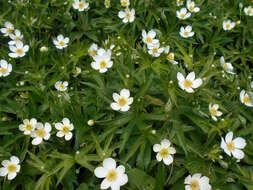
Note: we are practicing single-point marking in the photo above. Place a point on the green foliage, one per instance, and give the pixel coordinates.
(160, 108)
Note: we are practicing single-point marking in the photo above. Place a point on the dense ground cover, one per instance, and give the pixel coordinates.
(161, 88)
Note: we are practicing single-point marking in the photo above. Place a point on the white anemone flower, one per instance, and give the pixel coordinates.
(80, 5)
(149, 38)
(180, 3)
(93, 50)
(61, 86)
(61, 42)
(15, 37)
(182, 14)
(10, 168)
(228, 25)
(189, 83)
(64, 129)
(233, 147)
(8, 29)
(248, 11)
(226, 66)
(170, 55)
(41, 132)
(28, 126)
(124, 3)
(246, 99)
(164, 152)
(192, 7)
(18, 50)
(5, 68)
(114, 176)
(186, 32)
(214, 112)
(122, 100)
(155, 50)
(127, 15)
(197, 182)
(102, 60)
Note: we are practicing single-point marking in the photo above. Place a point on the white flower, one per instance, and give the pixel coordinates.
(15, 37)
(248, 11)
(155, 50)
(192, 7)
(180, 2)
(10, 168)
(246, 98)
(8, 29)
(18, 50)
(127, 15)
(186, 32)
(114, 176)
(233, 147)
(149, 38)
(213, 109)
(124, 3)
(228, 25)
(122, 100)
(183, 14)
(170, 55)
(80, 5)
(60, 42)
(226, 66)
(196, 182)
(64, 129)
(41, 132)
(93, 50)
(28, 126)
(102, 61)
(164, 152)
(189, 83)
(5, 68)
(61, 85)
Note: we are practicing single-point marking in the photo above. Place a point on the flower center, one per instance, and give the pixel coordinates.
(124, 3)
(191, 7)
(81, 5)
(19, 51)
(231, 146)
(227, 25)
(61, 43)
(246, 99)
(187, 83)
(182, 15)
(11, 168)
(148, 39)
(164, 152)
(111, 175)
(16, 39)
(186, 33)
(102, 64)
(128, 15)
(155, 50)
(194, 184)
(28, 127)
(65, 129)
(40, 133)
(92, 53)
(170, 56)
(122, 101)
(3, 70)
(213, 111)
(9, 30)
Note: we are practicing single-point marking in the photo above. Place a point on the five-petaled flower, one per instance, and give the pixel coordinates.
(61, 42)
(28, 126)
(189, 83)
(18, 50)
(102, 60)
(127, 15)
(228, 25)
(5, 68)
(41, 132)
(214, 112)
(61, 86)
(122, 100)
(197, 182)
(186, 32)
(8, 29)
(246, 98)
(64, 129)
(80, 5)
(10, 168)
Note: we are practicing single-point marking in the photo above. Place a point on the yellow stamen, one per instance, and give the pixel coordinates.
(9, 30)
(40, 133)
(186, 33)
(124, 3)
(231, 146)
(164, 152)
(148, 39)
(213, 111)
(92, 53)
(11, 168)
(228, 26)
(246, 99)
(62, 86)
(28, 127)
(19, 51)
(81, 5)
(187, 83)
(61, 43)
(170, 56)
(122, 101)
(103, 64)
(155, 50)
(194, 184)
(3, 70)
(182, 15)
(128, 15)
(65, 129)
(111, 175)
